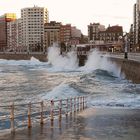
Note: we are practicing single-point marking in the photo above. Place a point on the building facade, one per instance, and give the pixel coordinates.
(75, 36)
(55, 32)
(75, 33)
(14, 36)
(131, 38)
(4, 20)
(93, 31)
(51, 33)
(136, 25)
(33, 20)
(65, 33)
(99, 34)
(111, 34)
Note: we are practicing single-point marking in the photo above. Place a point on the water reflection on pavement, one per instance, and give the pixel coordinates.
(91, 124)
(105, 124)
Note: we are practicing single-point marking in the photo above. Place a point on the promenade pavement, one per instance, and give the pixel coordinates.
(91, 124)
(131, 56)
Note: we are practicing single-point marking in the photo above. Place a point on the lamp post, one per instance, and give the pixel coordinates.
(66, 44)
(126, 47)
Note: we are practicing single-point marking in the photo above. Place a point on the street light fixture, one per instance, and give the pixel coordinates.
(126, 41)
(126, 47)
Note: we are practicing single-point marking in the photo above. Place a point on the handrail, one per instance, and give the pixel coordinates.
(40, 110)
(39, 102)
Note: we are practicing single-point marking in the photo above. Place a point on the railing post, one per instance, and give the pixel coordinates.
(29, 116)
(83, 103)
(52, 110)
(74, 104)
(67, 108)
(41, 113)
(70, 105)
(12, 118)
(78, 103)
(60, 110)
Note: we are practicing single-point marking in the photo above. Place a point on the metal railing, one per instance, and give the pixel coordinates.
(17, 116)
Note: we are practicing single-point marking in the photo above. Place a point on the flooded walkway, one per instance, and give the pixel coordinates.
(91, 124)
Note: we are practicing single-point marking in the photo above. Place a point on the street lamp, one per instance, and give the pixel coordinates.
(125, 44)
(126, 47)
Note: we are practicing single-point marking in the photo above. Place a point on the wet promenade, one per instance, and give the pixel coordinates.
(131, 56)
(91, 124)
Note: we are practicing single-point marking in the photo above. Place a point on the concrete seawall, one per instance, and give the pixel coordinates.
(130, 68)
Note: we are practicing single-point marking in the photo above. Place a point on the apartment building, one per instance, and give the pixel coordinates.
(111, 34)
(33, 20)
(93, 30)
(55, 32)
(4, 20)
(65, 33)
(51, 33)
(131, 38)
(14, 36)
(136, 23)
(75, 33)
(98, 34)
(75, 36)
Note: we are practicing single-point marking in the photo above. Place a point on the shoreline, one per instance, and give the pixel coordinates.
(127, 67)
(24, 56)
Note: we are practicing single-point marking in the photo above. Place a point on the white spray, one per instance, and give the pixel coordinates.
(98, 61)
(67, 62)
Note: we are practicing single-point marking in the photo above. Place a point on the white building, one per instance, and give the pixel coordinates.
(14, 36)
(33, 20)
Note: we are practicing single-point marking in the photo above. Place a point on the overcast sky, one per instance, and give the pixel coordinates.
(79, 13)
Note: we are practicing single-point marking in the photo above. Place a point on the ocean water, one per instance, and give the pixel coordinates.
(31, 81)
